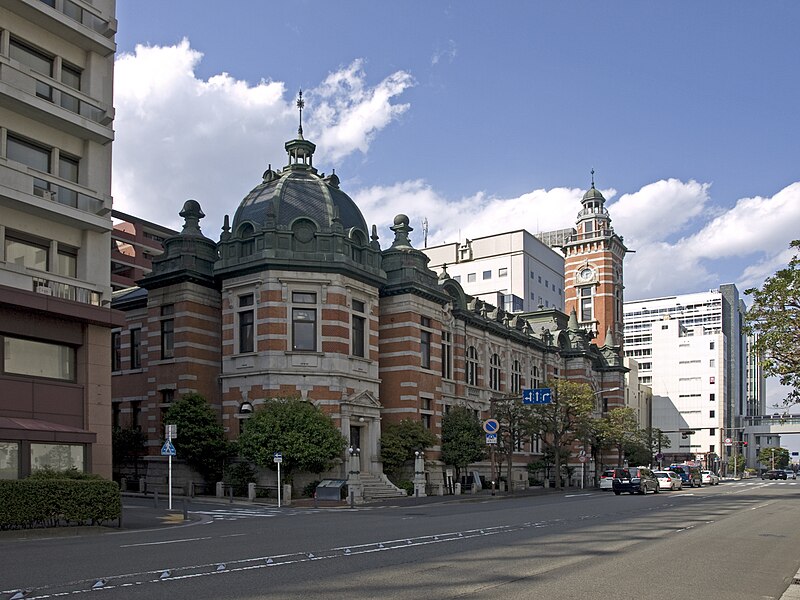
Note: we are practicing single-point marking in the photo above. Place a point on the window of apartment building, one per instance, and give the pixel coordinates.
(712, 414)
(540, 279)
(59, 457)
(28, 153)
(516, 377)
(246, 320)
(38, 359)
(167, 331)
(712, 448)
(426, 412)
(26, 252)
(136, 414)
(457, 278)
(470, 277)
(487, 274)
(358, 329)
(67, 262)
(712, 431)
(116, 350)
(587, 309)
(494, 373)
(711, 363)
(712, 397)
(9, 460)
(535, 381)
(472, 366)
(711, 345)
(34, 59)
(71, 76)
(136, 348)
(503, 272)
(167, 396)
(304, 322)
(425, 343)
(447, 355)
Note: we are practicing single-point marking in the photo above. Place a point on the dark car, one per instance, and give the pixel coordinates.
(634, 480)
(773, 474)
(690, 475)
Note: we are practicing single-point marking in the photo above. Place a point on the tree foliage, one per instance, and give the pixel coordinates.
(620, 429)
(201, 439)
(400, 440)
(127, 445)
(463, 442)
(307, 438)
(514, 419)
(775, 319)
(780, 455)
(562, 421)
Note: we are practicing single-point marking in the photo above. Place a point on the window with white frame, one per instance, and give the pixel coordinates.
(472, 366)
(358, 329)
(246, 323)
(304, 321)
(494, 373)
(447, 355)
(586, 303)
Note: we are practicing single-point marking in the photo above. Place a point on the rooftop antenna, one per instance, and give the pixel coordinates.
(425, 231)
(300, 105)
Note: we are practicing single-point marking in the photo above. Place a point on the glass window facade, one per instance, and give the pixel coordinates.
(304, 322)
(58, 457)
(38, 359)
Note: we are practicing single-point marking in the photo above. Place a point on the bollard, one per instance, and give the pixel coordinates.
(352, 499)
(230, 495)
(185, 510)
(155, 499)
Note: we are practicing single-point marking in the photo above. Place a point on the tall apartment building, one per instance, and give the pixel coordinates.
(56, 115)
(134, 244)
(692, 351)
(514, 270)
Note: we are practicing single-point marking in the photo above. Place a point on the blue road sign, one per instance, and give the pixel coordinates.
(491, 425)
(536, 396)
(491, 438)
(168, 449)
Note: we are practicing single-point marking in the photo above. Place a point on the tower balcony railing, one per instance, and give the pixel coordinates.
(597, 234)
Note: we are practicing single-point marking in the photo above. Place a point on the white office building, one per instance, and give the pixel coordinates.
(692, 351)
(514, 271)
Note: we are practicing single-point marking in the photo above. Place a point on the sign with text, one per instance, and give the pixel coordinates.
(491, 438)
(537, 396)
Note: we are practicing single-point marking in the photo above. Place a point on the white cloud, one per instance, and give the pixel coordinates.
(180, 137)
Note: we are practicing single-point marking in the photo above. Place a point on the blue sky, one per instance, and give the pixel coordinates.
(481, 117)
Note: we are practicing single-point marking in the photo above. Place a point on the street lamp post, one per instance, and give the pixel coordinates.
(354, 485)
(419, 473)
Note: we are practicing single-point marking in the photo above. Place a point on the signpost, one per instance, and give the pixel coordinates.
(278, 459)
(169, 450)
(491, 427)
(537, 396)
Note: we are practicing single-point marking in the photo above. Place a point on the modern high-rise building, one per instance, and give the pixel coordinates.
(56, 115)
(692, 351)
(514, 271)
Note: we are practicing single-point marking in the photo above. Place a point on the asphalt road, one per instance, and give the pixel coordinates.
(734, 541)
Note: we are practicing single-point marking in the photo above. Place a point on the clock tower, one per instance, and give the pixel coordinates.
(593, 271)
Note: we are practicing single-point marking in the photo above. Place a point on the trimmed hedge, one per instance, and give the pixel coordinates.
(29, 503)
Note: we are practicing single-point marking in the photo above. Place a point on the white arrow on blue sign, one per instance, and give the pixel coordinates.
(168, 449)
(537, 396)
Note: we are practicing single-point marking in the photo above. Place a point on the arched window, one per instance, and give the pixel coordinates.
(472, 366)
(516, 377)
(494, 373)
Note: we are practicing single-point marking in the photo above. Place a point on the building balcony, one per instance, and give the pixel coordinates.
(53, 198)
(592, 235)
(47, 101)
(50, 284)
(71, 20)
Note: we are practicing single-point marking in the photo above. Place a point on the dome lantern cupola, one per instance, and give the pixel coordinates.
(300, 150)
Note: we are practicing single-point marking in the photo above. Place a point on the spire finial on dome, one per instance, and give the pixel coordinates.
(300, 105)
(592, 177)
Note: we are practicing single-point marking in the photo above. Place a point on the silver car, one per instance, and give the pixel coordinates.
(668, 480)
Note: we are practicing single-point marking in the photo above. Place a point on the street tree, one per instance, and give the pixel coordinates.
(621, 429)
(463, 442)
(400, 440)
(514, 418)
(306, 437)
(201, 439)
(774, 457)
(564, 420)
(774, 318)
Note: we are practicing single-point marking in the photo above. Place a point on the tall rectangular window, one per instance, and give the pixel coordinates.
(31, 58)
(358, 329)
(27, 253)
(304, 322)
(136, 348)
(167, 331)
(246, 319)
(472, 366)
(587, 313)
(116, 351)
(25, 152)
(425, 343)
(447, 355)
(67, 263)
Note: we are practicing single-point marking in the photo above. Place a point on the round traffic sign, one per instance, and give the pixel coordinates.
(583, 458)
(491, 425)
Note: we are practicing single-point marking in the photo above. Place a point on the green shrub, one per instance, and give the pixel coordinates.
(310, 488)
(71, 473)
(408, 486)
(47, 501)
(238, 475)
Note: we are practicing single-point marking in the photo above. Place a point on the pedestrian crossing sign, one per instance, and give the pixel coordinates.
(168, 449)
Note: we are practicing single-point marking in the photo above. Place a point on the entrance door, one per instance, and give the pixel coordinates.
(355, 442)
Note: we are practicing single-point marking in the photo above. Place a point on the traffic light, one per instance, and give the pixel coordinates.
(744, 444)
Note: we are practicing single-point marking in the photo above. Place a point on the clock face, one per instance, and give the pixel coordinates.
(585, 274)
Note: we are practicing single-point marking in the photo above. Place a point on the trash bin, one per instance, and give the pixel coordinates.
(331, 489)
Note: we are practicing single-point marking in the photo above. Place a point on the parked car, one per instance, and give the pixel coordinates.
(607, 479)
(709, 477)
(774, 474)
(668, 480)
(634, 480)
(689, 474)
(790, 474)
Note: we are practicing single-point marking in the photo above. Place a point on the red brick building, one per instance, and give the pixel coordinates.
(297, 298)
